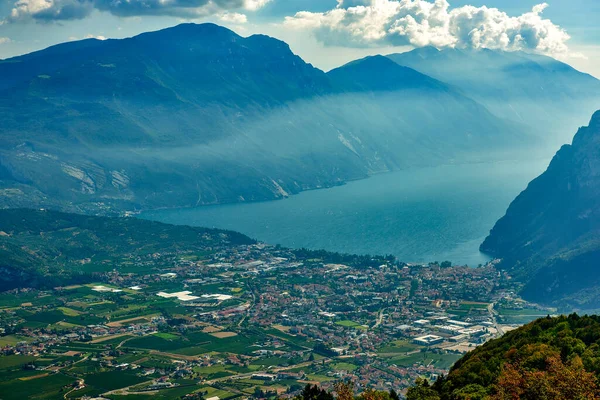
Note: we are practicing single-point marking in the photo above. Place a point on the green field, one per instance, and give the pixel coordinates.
(443, 361)
(399, 346)
(165, 394)
(468, 305)
(343, 366)
(49, 387)
(167, 336)
(7, 362)
(111, 380)
(12, 340)
(520, 317)
(350, 324)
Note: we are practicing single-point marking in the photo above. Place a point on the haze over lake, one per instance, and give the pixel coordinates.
(426, 214)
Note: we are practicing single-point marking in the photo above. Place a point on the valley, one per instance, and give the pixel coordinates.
(232, 319)
(198, 115)
(193, 211)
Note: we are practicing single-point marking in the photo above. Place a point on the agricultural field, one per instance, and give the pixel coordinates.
(127, 309)
(351, 324)
(520, 316)
(398, 347)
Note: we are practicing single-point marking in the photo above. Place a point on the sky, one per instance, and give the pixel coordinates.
(326, 33)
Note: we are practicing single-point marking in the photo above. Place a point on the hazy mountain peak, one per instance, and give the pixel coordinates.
(548, 95)
(379, 73)
(425, 52)
(376, 60)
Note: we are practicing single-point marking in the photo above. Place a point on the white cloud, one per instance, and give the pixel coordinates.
(62, 10)
(4, 40)
(99, 37)
(366, 23)
(253, 5)
(233, 18)
(88, 36)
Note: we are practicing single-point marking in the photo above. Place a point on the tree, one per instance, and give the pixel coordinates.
(371, 394)
(559, 381)
(314, 393)
(471, 392)
(422, 391)
(344, 391)
(394, 395)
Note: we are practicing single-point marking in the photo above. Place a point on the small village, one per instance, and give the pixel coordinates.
(255, 321)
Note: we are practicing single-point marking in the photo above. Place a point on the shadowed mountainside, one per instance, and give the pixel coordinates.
(550, 234)
(549, 96)
(196, 114)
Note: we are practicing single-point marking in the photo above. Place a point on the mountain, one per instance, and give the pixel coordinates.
(196, 114)
(379, 73)
(551, 358)
(549, 96)
(550, 234)
(42, 248)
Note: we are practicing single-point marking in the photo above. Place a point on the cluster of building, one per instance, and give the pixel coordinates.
(339, 307)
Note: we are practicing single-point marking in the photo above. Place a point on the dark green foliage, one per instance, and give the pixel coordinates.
(323, 350)
(475, 376)
(46, 248)
(422, 391)
(313, 392)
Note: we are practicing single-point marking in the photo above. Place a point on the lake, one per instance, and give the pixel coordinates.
(426, 214)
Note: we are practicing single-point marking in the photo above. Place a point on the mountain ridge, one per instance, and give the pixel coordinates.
(547, 95)
(196, 114)
(548, 236)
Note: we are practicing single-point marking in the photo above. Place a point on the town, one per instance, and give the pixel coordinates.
(250, 321)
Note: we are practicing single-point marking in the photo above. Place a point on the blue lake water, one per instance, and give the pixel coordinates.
(426, 214)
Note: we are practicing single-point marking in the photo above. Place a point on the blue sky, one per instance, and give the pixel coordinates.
(325, 44)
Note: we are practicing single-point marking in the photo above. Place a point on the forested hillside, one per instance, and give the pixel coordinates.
(47, 248)
(551, 358)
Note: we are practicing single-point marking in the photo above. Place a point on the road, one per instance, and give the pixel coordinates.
(379, 318)
(270, 371)
(493, 315)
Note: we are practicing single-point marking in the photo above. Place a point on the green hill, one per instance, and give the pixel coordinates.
(551, 358)
(41, 248)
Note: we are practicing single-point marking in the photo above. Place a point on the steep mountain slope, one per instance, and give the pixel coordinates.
(48, 248)
(197, 114)
(550, 235)
(548, 95)
(551, 358)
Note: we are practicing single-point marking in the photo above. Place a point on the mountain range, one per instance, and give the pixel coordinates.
(548, 96)
(196, 114)
(550, 235)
